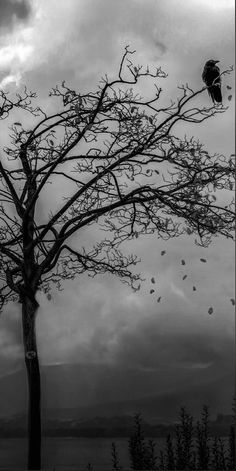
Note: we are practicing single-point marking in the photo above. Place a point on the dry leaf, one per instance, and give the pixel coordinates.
(184, 277)
(159, 299)
(163, 252)
(183, 262)
(152, 291)
(153, 280)
(210, 310)
(203, 260)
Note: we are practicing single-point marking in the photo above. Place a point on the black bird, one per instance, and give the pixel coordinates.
(211, 77)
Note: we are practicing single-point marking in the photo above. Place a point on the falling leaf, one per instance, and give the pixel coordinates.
(228, 87)
(183, 262)
(157, 171)
(203, 260)
(152, 291)
(153, 280)
(17, 124)
(51, 142)
(184, 277)
(49, 296)
(194, 288)
(150, 120)
(136, 70)
(163, 252)
(214, 197)
(158, 300)
(189, 231)
(148, 170)
(230, 97)
(210, 310)
(232, 301)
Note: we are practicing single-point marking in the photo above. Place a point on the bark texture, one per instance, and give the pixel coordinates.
(29, 310)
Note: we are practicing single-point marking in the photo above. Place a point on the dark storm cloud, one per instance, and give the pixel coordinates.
(148, 346)
(11, 10)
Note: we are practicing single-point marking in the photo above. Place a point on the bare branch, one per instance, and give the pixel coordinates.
(124, 170)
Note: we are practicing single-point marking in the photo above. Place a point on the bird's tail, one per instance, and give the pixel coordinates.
(215, 93)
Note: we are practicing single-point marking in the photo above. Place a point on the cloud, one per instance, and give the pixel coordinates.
(102, 322)
(171, 339)
(89, 46)
(95, 33)
(127, 331)
(93, 40)
(100, 330)
(13, 12)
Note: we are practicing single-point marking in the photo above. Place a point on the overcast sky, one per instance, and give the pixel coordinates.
(43, 42)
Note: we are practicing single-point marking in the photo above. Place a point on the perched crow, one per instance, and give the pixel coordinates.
(211, 77)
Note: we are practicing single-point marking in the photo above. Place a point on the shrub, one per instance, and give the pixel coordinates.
(142, 453)
(191, 448)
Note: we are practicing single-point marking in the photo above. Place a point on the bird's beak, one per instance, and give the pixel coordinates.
(216, 62)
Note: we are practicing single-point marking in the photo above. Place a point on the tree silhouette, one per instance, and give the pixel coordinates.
(113, 163)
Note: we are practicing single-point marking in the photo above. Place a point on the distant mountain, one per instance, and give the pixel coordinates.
(117, 426)
(162, 408)
(107, 391)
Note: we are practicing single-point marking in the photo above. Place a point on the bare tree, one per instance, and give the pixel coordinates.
(123, 171)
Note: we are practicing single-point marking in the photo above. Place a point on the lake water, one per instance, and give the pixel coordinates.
(63, 453)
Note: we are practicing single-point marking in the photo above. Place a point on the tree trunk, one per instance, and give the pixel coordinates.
(29, 310)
